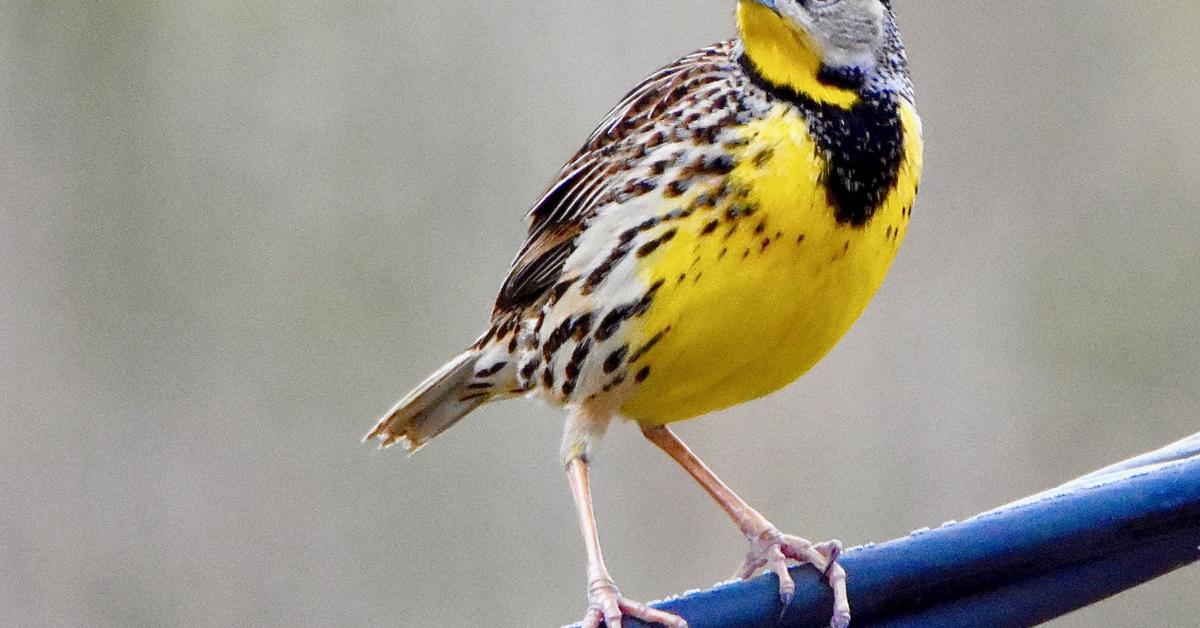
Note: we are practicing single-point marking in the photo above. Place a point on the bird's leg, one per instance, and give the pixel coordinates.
(584, 430)
(768, 547)
(605, 602)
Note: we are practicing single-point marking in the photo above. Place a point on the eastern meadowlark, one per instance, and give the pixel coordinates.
(716, 235)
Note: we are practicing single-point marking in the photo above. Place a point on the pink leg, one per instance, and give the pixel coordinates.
(605, 602)
(768, 547)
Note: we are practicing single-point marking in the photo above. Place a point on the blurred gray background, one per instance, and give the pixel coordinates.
(234, 233)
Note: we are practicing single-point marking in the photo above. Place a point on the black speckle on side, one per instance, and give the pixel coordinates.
(557, 338)
(613, 319)
(676, 188)
(650, 246)
(491, 370)
(582, 326)
(561, 288)
(614, 359)
(601, 272)
(529, 367)
(642, 374)
(642, 350)
(721, 164)
(616, 381)
(577, 357)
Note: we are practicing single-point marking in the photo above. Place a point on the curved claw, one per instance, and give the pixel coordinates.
(787, 586)
(772, 549)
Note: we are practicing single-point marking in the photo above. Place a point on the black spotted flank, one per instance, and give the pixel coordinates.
(575, 366)
(491, 370)
(863, 145)
(557, 338)
(650, 246)
(615, 317)
(614, 359)
(641, 352)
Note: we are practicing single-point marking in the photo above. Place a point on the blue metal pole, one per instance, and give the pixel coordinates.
(1018, 565)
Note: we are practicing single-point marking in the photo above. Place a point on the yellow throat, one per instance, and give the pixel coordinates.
(784, 56)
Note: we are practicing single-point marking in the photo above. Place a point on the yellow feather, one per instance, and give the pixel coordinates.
(786, 56)
(758, 308)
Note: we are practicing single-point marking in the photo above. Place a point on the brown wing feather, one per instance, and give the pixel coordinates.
(559, 216)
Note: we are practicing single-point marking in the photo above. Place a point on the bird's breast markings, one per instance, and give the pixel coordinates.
(491, 370)
(615, 359)
(650, 246)
(624, 245)
(615, 317)
(573, 327)
(529, 367)
(575, 366)
(762, 157)
(862, 145)
(677, 188)
(616, 381)
(581, 326)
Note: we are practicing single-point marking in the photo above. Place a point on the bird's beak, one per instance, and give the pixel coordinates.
(770, 4)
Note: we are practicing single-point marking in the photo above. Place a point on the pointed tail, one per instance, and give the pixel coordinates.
(465, 383)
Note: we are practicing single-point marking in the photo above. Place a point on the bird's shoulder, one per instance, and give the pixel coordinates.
(649, 115)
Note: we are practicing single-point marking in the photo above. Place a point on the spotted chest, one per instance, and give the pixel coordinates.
(759, 289)
(731, 244)
(580, 347)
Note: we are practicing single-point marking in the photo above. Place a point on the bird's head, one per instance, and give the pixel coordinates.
(846, 40)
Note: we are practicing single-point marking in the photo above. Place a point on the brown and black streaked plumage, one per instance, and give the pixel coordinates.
(714, 237)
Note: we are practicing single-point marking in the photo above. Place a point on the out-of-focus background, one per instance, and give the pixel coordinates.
(232, 234)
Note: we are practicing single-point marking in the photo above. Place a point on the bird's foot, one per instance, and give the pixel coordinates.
(771, 549)
(606, 605)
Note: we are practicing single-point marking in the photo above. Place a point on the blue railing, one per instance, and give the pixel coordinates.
(1018, 565)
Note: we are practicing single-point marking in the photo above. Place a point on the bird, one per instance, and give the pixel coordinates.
(715, 236)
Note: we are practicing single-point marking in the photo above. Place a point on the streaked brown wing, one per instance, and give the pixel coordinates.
(559, 216)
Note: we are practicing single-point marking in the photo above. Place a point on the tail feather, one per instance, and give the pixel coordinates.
(433, 406)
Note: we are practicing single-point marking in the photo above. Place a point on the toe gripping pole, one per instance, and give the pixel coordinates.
(1020, 564)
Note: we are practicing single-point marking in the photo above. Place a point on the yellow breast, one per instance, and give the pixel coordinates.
(757, 291)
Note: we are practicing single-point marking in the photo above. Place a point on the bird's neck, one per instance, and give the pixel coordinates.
(783, 57)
